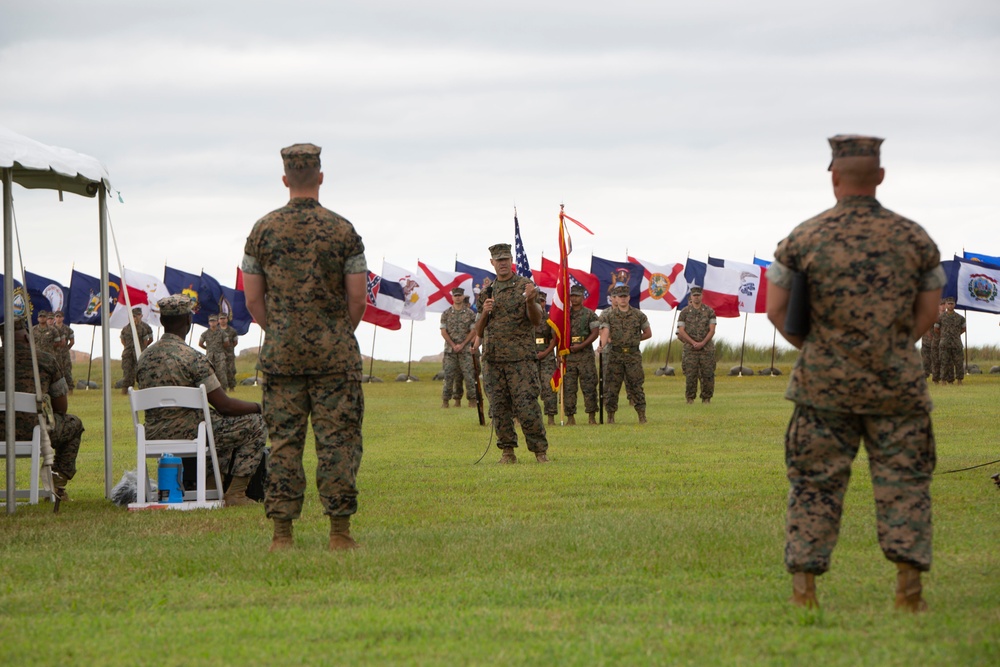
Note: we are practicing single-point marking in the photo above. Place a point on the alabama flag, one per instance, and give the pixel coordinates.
(663, 287)
(439, 284)
(144, 291)
(750, 286)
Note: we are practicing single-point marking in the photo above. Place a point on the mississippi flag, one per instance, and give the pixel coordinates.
(663, 287)
(374, 314)
(751, 287)
(439, 285)
(143, 292)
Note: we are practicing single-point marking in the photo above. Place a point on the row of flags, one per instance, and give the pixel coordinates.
(81, 301)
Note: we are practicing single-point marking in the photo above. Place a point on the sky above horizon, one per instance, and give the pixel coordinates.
(670, 129)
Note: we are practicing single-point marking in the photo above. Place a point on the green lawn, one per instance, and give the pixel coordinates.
(659, 544)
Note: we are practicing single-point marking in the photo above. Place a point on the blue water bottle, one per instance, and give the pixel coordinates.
(170, 479)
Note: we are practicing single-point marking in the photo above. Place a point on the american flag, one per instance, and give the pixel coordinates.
(521, 267)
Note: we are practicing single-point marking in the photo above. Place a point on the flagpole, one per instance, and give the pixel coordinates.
(260, 343)
(774, 339)
(966, 336)
(90, 362)
(670, 341)
(371, 359)
(409, 354)
(743, 344)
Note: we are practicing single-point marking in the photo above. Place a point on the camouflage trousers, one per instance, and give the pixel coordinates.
(218, 361)
(66, 366)
(336, 406)
(698, 365)
(952, 363)
(65, 437)
(458, 368)
(231, 369)
(550, 399)
(820, 447)
(239, 443)
(513, 391)
(929, 359)
(580, 369)
(627, 367)
(128, 369)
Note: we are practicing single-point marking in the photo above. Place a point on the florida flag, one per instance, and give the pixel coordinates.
(439, 284)
(144, 291)
(751, 288)
(663, 287)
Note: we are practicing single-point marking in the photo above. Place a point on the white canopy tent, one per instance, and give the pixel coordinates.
(35, 165)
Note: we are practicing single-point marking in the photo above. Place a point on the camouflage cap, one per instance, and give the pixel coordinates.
(695, 290)
(213, 318)
(57, 313)
(223, 316)
(854, 145)
(175, 304)
(577, 290)
(620, 290)
(949, 299)
(500, 251)
(137, 311)
(458, 291)
(43, 313)
(301, 156)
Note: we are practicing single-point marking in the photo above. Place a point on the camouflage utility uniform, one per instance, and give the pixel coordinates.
(170, 362)
(310, 358)
(950, 350)
(458, 365)
(128, 353)
(624, 359)
(859, 378)
(580, 366)
(929, 353)
(509, 370)
(698, 365)
(213, 340)
(66, 354)
(546, 366)
(66, 429)
(230, 340)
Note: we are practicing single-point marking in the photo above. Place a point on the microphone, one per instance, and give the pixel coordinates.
(487, 294)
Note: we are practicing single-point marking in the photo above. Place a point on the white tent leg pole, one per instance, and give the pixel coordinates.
(102, 204)
(8, 334)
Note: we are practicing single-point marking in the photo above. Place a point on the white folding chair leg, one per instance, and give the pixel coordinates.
(36, 473)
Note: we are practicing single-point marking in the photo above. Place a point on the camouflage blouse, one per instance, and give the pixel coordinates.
(457, 324)
(696, 323)
(170, 362)
(510, 335)
(581, 323)
(49, 375)
(624, 329)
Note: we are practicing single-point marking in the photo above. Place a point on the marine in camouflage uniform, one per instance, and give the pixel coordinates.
(580, 367)
(65, 429)
(621, 329)
(696, 329)
(305, 279)
(935, 354)
(230, 340)
(506, 324)
(212, 341)
(237, 426)
(858, 376)
(950, 328)
(145, 334)
(458, 333)
(43, 334)
(64, 351)
(545, 344)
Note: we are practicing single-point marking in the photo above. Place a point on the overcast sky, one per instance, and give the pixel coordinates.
(669, 128)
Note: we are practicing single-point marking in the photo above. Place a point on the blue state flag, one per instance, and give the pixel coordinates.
(979, 257)
(217, 298)
(45, 294)
(477, 278)
(85, 298)
(610, 273)
(188, 284)
(20, 301)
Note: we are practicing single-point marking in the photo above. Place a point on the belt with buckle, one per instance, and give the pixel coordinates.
(540, 341)
(576, 339)
(624, 349)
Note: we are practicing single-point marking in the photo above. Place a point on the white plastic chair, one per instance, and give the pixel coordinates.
(24, 402)
(203, 444)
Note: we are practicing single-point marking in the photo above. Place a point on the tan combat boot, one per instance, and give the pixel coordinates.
(591, 419)
(909, 589)
(552, 420)
(706, 401)
(571, 420)
(458, 402)
(611, 417)
(642, 416)
(340, 534)
(690, 401)
(282, 535)
(473, 404)
(508, 456)
(804, 590)
(236, 494)
(445, 404)
(541, 457)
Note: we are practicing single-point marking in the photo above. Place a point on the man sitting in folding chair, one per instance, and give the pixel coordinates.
(66, 429)
(240, 433)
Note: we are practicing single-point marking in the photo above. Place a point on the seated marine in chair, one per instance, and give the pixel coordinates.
(240, 433)
(65, 429)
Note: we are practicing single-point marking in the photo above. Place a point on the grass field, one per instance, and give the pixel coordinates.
(649, 545)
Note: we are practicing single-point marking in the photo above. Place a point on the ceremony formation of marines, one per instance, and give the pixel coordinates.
(859, 376)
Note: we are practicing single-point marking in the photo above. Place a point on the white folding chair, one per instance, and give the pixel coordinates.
(200, 446)
(24, 402)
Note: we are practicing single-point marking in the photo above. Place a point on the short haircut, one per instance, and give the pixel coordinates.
(303, 178)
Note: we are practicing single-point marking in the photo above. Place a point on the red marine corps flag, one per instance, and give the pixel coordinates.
(559, 313)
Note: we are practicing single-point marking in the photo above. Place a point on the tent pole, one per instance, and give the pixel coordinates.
(102, 204)
(8, 334)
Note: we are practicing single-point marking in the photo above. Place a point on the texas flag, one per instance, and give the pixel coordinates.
(663, 287)
(720, 287)
(439, 285)
(144, 291)
(751, 288)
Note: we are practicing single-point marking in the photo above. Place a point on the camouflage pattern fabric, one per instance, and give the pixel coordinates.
(698, 365)
(929, 352)
(66, 429)
(44, 340)
(128, 352)
(336, 405)
(819, 449)
(581, 370)
(232, 340)
(950, 349)
(545, 368)
(859, 376)
(65, 356)
(624, 331)
(458, 366)
(510, 374)
(310, 359)
(214, 340)
(170, 362)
